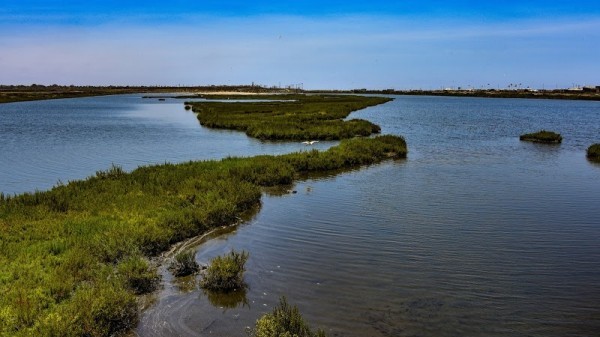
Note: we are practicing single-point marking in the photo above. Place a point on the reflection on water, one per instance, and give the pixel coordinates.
(227, 300)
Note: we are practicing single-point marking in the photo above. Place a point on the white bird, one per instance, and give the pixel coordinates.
(311, 142)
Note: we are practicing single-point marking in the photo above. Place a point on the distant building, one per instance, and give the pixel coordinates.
(595, 89)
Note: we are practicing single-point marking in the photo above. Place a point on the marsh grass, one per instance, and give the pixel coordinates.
(284, 320)
(184, 264)
(225, 273)
(298, 117)
(542, 136)
(593, 152)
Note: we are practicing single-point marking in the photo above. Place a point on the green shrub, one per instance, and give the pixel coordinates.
(138, 275)
(184, 264)
(542, 136)
(225, 272)
(104, 309)
(593, 152)
(284, 321)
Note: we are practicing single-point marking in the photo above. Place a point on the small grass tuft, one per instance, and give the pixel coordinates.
(184, 264)
(284, 320)
(226, 273)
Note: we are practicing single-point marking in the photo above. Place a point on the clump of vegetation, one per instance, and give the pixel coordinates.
(225, 273)
(138, 275)
(284, 320)
(184, 264)
(293, 117)
(593, 152)
(542, 136)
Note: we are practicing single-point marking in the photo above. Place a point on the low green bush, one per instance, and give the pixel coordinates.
(542, 136)
(284, 321)
(138, 275)
(184, 264)
(225, 272)
(593, 152)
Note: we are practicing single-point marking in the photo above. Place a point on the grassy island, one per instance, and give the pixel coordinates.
(542, 136)
(74, 257)
(593, 152)
(292, 117)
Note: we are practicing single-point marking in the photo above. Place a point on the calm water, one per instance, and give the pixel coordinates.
(475, 234)
(43, 142)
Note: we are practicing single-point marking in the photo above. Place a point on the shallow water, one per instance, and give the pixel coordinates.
(42, 142)
(474, 234)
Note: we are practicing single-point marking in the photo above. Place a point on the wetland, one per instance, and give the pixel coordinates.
(474, 233)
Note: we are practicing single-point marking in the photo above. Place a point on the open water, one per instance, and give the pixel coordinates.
(474, 234)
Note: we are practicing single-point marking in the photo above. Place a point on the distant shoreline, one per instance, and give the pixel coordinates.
(20, 93)
(592, 95)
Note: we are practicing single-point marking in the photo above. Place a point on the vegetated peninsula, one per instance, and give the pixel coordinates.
(74, 257)
(291, 117)
(542, 136)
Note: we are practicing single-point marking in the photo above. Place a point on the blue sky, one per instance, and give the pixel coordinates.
(321, 44)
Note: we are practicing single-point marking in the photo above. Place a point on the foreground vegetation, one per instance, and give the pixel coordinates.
(73, 258)
(293, 117)
(184, 264)
(284, 321)
(593, 152)
(225, 273)
(542, 136)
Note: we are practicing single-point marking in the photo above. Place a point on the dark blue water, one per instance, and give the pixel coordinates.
(475, 234)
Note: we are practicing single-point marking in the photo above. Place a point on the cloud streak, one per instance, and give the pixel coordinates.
(321, 52)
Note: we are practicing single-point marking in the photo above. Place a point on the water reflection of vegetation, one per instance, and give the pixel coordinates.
(186, 284)
(228, 300)
(303, 117)
(74, 257)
